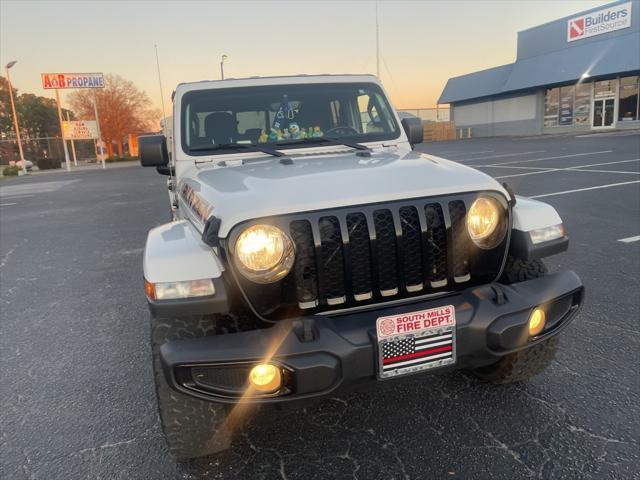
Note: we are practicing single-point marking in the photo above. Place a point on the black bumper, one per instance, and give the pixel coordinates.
(322, 354)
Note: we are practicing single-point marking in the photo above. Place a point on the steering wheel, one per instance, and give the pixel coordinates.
(342, 131)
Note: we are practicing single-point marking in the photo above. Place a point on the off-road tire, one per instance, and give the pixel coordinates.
(524, 364)
(193, 428)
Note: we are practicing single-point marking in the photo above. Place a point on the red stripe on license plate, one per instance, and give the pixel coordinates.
(424, 353)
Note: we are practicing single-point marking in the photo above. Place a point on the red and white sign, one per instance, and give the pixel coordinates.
(416, 322)
(80, 130)
(72, 80)
(599, 22)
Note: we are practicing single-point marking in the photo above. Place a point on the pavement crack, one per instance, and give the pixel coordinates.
(5, 257)
(499, 444)
(405, 475)
(347, 456)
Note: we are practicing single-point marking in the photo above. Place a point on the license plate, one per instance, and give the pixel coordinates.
(415, 341)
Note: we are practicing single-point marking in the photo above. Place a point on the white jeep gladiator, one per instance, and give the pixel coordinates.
(312, 250)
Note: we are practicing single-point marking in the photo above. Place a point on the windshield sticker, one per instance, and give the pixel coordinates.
(294, 132)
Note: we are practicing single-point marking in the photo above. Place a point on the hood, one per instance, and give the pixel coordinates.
(267, 187)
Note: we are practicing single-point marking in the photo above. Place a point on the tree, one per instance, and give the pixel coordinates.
(38, 116)
(122, 109)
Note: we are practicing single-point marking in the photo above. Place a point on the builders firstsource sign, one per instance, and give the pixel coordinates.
(599, 22)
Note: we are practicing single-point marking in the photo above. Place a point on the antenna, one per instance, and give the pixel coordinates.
(164, 117)
(377, 44)
(160, 83)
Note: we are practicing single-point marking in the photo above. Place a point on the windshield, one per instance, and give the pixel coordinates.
(217, 120)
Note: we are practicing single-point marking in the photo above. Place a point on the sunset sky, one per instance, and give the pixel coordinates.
(422, 44)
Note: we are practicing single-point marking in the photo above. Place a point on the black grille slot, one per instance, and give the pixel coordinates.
(457, 212)
(360, 254)
(386, 252)
(411, 248)
(304, 269)
(436, 244)
(331, 258)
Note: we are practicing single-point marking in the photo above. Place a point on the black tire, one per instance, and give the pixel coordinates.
(524, 364)
(517, 270)
(193, 428)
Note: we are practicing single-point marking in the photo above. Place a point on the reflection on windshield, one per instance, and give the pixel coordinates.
(285, 114)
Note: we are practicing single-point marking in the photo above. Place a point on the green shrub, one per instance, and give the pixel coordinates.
(10, 171)
(48, 163)
(120, 159)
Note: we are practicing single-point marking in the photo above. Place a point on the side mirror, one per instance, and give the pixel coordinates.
(414, 130)
(153, 150)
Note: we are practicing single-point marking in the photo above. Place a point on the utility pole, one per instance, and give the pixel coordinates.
(15, 117)
(224, 57)
(377, 44)
(73, 147)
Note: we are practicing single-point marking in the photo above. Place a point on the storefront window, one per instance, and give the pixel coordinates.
(628, 103)
(551, 107)
(566, 105)
(582, 104)
(605, 88)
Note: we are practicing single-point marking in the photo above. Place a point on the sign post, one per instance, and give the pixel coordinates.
(64, 142)
(73, 147)
(95, 112)
(56, 81)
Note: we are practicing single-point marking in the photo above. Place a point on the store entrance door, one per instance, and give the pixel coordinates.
(603, 113)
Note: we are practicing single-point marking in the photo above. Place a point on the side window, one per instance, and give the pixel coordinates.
(250, 121)
(369, 115)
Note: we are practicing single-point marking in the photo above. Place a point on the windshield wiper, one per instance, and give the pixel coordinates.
(325, 140)
(236, 146)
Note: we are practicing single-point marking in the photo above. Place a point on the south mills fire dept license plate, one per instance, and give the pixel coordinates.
(414, 341)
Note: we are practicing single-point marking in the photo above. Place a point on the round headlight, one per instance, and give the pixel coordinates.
(264, 253)
(486, 222)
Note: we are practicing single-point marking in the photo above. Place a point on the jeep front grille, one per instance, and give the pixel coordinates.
(372, 253)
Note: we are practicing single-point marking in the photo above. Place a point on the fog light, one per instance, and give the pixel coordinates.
(265, 378)
(536, 321)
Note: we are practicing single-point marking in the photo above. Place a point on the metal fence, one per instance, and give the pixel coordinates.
(438, 114)
(45, 147)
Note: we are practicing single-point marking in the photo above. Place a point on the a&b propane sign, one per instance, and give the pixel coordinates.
(72, 80)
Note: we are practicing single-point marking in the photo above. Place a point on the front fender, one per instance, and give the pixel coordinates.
(174, 252)
(529, 215)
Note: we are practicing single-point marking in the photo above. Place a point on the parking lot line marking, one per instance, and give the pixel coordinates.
(7, 204)
(472, 153)
(584, 189)
(601, 171)
(572, 169)
(552, 158)
(530, 173)
(630, 239)
(501, 156)
(601, 164)
(511, 167)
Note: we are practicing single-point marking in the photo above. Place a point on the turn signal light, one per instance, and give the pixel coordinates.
(537, 321)
(265, 378)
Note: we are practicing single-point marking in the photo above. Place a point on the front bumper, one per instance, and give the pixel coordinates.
(322, 354)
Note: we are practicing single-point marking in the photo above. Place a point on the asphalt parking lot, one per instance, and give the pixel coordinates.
(75, 375)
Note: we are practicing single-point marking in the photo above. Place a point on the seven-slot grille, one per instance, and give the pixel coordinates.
(380, 252)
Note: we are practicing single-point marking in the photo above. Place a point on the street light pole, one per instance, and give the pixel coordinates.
(15, 116)
(224, 57)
